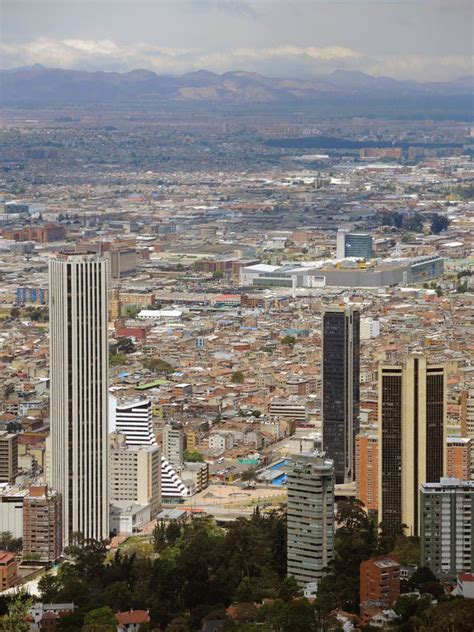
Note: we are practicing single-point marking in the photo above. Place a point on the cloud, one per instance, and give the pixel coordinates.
(233, 7)
(439, 68)
(285, 60)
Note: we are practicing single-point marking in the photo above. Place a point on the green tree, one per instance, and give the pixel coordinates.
(118, 359)
(88, 554)
(249, 475)
(409, 605)
(407, 550)
(289, 341)
(173, 532)
(15, 312)
(193, 456)
(454, 615)
(158, 538)
(413, 222)
(289, 589)
(157, 365)
(49, 586)
(217, 275)
(237, 377)
(118, 596)
(16, 619)
(125, 345)
(438, 223)
(100, 620)
(132, 311)
(9, 543)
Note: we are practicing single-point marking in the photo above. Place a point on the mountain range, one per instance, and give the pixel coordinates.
(38, 86)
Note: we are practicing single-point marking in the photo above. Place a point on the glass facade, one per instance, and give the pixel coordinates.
(341, 368)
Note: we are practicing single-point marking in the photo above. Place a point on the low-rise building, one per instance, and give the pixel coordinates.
(379, 586)
(8, 570)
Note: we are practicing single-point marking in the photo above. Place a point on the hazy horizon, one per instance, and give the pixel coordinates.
(424, 40)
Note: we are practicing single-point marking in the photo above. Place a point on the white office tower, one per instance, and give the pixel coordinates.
(133, 418)
(79, 391)
(134, 473)
(310, 516)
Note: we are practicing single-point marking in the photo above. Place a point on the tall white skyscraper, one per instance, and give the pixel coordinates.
(79, 391)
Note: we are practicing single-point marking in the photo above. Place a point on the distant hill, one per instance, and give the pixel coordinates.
(37, 86)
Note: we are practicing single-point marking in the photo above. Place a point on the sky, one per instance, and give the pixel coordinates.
(426, 40)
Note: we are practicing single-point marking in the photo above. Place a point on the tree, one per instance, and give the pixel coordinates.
(289, 341)
(289, 589)
(118, 596)
(249, 475)
(100, 620)
(118, 359)
(409, 605)
(9, 543)
(438, 223)
(13, 427)
(193, 456)
(158, 537)
(157, 365)
(125, 345)
(455, 614)
(88, 554)
(237, 377)
(15, 312)
(217, 275)
(413, 223)
(16, 619)
(421, 576)
(407, 550)
(132, 311)
(49, 586)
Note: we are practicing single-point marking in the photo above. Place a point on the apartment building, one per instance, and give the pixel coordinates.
(42, 524)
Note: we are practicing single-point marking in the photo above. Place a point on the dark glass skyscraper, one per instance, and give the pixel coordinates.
(341, 369)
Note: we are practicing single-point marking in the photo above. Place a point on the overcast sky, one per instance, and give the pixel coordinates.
(404, 39)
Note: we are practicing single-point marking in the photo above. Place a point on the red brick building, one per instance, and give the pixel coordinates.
(366, 465)
(42, 524)
(8, 570)
(379, 586)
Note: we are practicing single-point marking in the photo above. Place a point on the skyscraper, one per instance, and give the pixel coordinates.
(79, 391)
(341, 374)
(310, 516)
(412, 441)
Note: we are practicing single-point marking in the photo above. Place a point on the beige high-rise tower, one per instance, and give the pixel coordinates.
(79, 391)
(412, 437)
